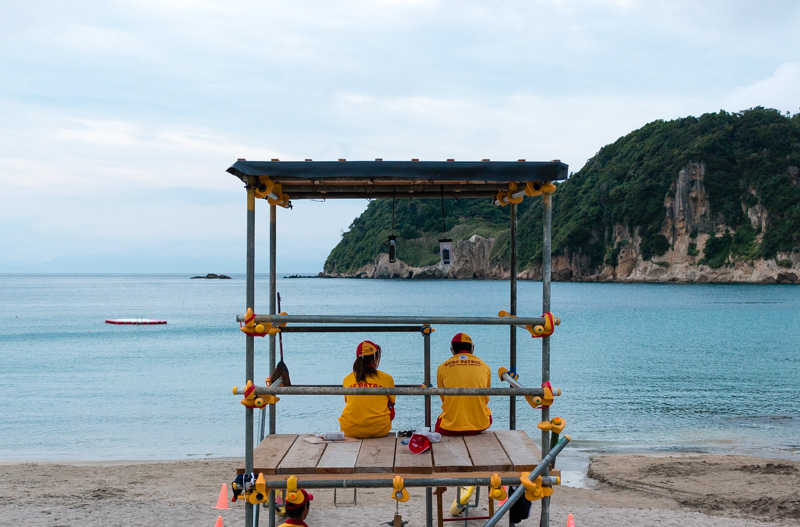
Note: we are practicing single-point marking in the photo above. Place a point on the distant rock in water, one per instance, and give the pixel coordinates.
(211, 276)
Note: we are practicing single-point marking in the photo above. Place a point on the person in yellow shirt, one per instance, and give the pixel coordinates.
(298, 504)
(463, 414)
(367, 415)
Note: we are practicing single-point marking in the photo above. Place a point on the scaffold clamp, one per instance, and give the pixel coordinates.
(251, 400)
(259, 493)
(257, 330)
(399, 492)
(534, 489)
(497, 491)
(546, 329)
(554, 425)
(503, 370)
(549, 395)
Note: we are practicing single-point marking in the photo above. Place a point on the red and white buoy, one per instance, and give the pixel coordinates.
(135, 321)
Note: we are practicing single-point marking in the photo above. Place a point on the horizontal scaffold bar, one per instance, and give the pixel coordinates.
(350, 329)
(397, 390)
(408, 481)
(421, 320)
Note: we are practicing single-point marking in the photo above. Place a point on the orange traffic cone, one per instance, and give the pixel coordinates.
(570, 521)
(219, 522)
(222, 502)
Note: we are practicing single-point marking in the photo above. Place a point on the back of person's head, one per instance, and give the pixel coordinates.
(368, 355)
(461, 343)
(297, 504)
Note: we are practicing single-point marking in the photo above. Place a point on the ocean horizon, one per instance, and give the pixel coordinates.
(643, 367)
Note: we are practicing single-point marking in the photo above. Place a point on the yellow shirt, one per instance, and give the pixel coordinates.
(367, 415)
(461, 413)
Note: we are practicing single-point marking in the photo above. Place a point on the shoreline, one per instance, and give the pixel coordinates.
(680, 489)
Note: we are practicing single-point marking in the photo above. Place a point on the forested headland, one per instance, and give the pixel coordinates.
(709, 198)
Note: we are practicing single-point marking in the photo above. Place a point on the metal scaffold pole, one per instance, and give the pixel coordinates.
(428, 491)
(249, 341)
(546, 261)
(512, 405)
(273, 289)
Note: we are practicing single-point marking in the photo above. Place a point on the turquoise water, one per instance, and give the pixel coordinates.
(643, 367)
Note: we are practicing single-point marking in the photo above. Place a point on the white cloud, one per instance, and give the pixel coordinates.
(780, 91)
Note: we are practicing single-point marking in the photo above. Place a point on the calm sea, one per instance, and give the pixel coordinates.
(643, 367)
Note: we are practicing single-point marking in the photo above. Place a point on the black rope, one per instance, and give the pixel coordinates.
(444, 229)
(280, 335)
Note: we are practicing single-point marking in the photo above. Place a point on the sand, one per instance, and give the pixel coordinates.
(681, 490)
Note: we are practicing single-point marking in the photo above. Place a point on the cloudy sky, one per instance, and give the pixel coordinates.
(119, 118)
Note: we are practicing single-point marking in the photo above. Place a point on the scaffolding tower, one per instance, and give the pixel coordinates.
(505, 183)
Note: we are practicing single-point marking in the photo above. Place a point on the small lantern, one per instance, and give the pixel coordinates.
(392, 249)
(446, 252)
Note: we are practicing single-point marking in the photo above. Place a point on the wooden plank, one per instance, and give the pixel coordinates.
(339, 458)
(376, 455)
(520, 449)
(301, 458)
(486, 452)
(407, 462)
(269, 453)
(451, 455)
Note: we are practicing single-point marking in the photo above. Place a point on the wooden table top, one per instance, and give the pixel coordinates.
(498, 451)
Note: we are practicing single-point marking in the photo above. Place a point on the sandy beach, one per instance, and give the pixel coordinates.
(680, 490)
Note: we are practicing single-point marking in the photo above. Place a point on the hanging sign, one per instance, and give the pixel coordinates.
(446, 252)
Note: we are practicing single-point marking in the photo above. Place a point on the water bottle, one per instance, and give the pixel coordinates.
(331, 436)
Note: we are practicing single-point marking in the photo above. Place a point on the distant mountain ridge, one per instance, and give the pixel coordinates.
(711, 198)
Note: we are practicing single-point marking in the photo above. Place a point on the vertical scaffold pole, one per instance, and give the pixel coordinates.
(428, 491)
(249, 342)
(546, 260)
(273, 289)
(512, 404)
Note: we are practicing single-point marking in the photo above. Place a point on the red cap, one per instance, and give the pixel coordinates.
(298, 498)
(367, 348)
(461, 337)
(419, 443)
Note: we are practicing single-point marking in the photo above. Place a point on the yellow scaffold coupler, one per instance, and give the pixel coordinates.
(399, 492)
(545, 330)
(257, 330)
(264, 187)
(281, 199)
(251, 400)
(534, 489)
(554, 425)
(537, 188)
(497, 491)
(259, 493)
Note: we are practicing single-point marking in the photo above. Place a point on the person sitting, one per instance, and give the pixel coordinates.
(367, 415)
(463, 414)
(298, 504)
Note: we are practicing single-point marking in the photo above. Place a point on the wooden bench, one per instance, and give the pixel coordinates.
(507, 452)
